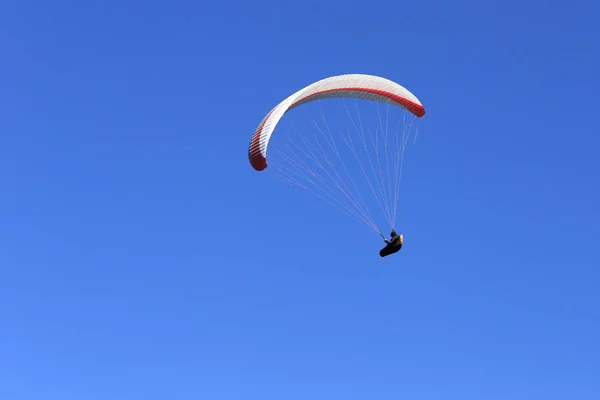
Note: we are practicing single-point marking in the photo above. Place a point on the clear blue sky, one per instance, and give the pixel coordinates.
(142, 258)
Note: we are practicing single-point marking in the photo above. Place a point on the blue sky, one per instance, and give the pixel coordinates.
(142, 257)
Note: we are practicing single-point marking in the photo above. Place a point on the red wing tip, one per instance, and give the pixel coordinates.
(259, 163)
(419, 111)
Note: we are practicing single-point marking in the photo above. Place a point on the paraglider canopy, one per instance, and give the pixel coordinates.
(368, 87)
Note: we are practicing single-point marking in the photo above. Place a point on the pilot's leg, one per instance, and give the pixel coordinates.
(386, 251)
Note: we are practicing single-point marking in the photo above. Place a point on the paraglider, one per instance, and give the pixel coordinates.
(393, 245)
(376, 148)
